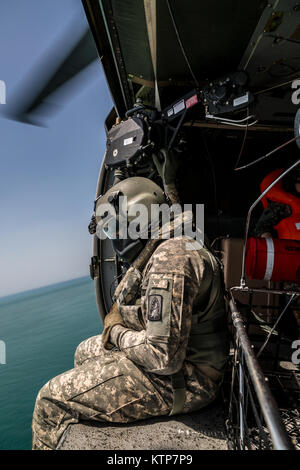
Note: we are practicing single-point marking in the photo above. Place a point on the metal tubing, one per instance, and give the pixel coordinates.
(251, 290)
(279, 436)
(241, 402)
(268, 154)
(274, 326)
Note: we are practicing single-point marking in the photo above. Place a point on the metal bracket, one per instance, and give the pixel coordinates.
(94, 267)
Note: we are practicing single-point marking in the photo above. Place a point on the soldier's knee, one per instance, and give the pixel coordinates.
(41, 399)
(88, 349)
(80, 353)
(43, 392)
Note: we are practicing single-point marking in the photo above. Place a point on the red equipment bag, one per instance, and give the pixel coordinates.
(273, 259)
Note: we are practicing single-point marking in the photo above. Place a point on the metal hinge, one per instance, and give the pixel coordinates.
(94, 267)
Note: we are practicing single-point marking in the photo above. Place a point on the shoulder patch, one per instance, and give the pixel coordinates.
(155, 304)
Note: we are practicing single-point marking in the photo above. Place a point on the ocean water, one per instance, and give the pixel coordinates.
(41, 329)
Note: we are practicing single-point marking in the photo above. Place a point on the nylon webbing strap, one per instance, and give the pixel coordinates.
(178, 385)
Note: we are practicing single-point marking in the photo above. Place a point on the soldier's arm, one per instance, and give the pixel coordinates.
(161, 347)
(270, 217)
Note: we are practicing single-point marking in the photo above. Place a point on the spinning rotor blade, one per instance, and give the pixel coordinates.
(50, 77)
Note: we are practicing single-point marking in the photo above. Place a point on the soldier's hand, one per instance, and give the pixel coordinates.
(112, 319)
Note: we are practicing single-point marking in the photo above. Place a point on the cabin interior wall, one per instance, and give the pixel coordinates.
(207, 174)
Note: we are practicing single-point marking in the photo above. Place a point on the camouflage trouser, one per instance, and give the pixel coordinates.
(106, 386)
(103, 386)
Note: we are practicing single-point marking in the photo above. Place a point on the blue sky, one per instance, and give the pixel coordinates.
(48, 175)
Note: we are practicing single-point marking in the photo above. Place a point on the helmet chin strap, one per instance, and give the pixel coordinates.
(128, 249)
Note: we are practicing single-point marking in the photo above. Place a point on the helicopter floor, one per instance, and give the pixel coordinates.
(201, 430)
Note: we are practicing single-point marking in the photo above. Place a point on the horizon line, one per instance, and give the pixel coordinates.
(42, 286)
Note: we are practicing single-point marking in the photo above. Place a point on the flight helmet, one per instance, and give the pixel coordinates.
(123, 214)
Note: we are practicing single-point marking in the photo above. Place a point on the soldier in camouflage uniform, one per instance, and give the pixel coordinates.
(162, 351)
